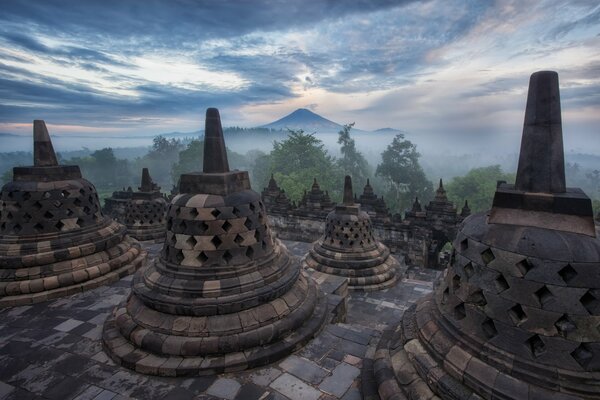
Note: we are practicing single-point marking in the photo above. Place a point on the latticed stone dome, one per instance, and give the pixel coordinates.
(348, 248)
(145, 213)
(54, 239)
(517, 313)
(223, 295)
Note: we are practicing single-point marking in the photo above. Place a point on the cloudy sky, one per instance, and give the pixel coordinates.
(142, 67)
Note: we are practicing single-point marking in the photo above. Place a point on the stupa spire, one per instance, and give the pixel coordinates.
(215, 152)
(43, 151)
(542, 161)
(146, 185)
(348, 197)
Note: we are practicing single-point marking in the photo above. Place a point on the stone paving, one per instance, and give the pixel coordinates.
(52, 350)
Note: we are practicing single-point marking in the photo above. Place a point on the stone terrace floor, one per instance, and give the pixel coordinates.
(53, 350)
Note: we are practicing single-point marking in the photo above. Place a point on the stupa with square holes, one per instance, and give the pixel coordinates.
(145, 213)
(224, 295)
(516, 314)
(348, 248)
(54, 239)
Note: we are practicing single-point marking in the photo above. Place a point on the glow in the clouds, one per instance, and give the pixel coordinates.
(456, 66)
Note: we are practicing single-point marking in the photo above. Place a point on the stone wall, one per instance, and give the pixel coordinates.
(418, 238)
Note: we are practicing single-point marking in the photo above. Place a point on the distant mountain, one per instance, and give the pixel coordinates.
(388, 130)
(306, 120)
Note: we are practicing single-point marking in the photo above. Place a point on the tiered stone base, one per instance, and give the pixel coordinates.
(366, 271)
(158, 343)
(148, 233)
(53, 266)
(423, 358)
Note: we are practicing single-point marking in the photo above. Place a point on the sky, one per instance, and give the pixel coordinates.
(454, 67)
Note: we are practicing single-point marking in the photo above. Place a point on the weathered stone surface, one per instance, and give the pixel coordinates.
(224, 295)
(145, 212)
(516, 314)
(54, 239)
(348, 248)
(419, 238)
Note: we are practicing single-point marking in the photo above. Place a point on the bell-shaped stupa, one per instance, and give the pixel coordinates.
(145, 213)
(54, 239)
(348, 248)
(224, 295)
(517, 313)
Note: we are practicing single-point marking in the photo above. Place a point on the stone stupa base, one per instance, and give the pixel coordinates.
(155, 343)
(108, 256)
(421, 359)
(366, 271)
(149, 234)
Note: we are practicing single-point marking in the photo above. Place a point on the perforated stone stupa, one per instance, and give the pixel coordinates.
(348, 248)
(54, 239)
(224, 295)
(145, 213)
(517, 313)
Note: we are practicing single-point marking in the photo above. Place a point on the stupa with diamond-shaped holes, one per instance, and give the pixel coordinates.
(224, 295)
(54, 239)
(516, 315)
(145, 213)
(348, 248)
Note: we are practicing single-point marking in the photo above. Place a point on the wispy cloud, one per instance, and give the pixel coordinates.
(423, 66)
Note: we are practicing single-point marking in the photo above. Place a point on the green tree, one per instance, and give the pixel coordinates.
(478, 186)
(103, 169)
(296, 161)
(7, 176)
(160, 159)
(190, 159)
(402, 174)
(352, 162)
(260, 168)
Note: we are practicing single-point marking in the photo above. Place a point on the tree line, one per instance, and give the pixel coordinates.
(299, 158)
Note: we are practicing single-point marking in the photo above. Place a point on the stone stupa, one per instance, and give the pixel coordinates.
(348, 248)
(224, 295)
(54, 239)
(145, 213)
(517, 313)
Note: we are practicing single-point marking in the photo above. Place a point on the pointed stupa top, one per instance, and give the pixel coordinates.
(215, 153)
(348, 198)
(147, 184)
(466, 211)
(272, 183)
(315, 185)
(539, 194)
(368, 189)
(216, 177)
(440, 194)
(43, 151)
(416, 205)
(542, 161)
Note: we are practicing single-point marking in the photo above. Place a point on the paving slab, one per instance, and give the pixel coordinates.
(224, 388)
(341, 379)
(294, 388)
(304, 369)
(54, 347)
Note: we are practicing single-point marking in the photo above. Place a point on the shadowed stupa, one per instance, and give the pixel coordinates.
(145, 213)
(223, 295)
(517, 313)
(54, 239)
(348, 248)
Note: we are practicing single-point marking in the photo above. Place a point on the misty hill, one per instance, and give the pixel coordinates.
(389, 130)
(306, 120)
